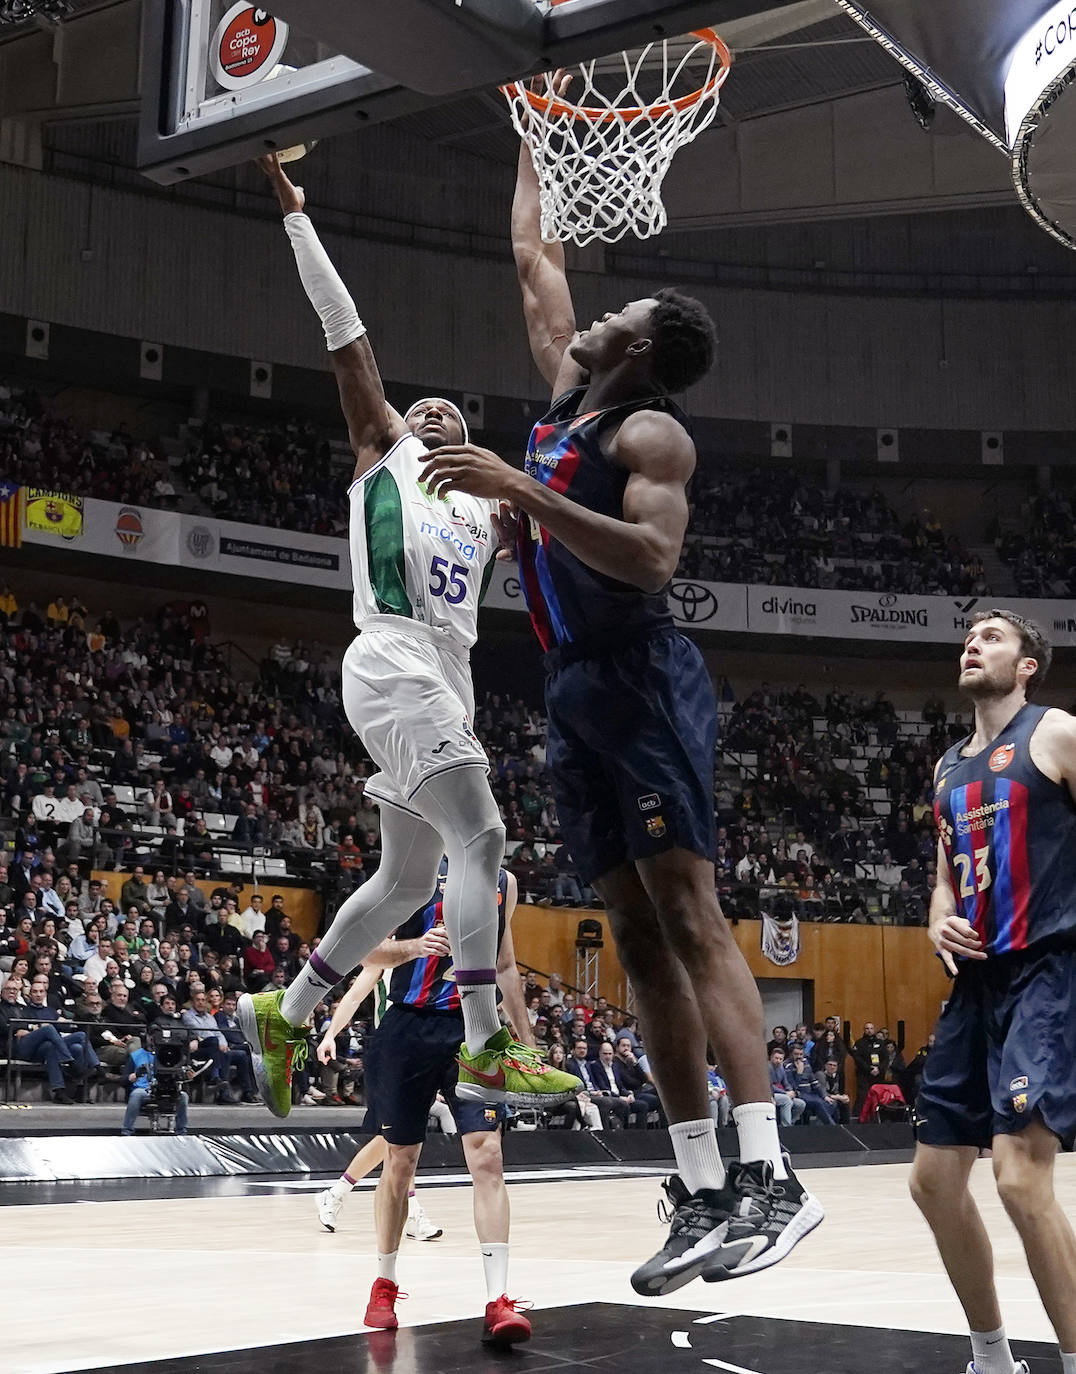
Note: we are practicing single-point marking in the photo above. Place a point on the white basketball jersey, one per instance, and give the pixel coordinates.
(415, 555)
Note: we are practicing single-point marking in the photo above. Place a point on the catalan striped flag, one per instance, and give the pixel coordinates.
(11, 509)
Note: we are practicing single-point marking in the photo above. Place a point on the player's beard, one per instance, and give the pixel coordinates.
(988, 683)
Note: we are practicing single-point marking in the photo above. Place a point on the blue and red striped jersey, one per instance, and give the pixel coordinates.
(568, 601)
(431, 983)
(1009, 835)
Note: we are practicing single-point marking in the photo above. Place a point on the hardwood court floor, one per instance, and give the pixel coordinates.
(101, 1285)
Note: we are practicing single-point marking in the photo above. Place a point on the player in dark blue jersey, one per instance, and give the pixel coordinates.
(1002, 1072)
(411, 1057)
(603, 509)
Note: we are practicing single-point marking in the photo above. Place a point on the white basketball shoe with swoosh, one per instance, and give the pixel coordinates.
(767, 1218)
(1020, 1367)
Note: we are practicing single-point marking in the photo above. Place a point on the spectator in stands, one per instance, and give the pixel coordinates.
(810, 1088)
(778, 1041)
(718, 1092)
(127, 1021)
(158, 896)
(39, 1012)
(249, 828)
(109, 1044)
(96, 966)
(868, 1057)
(601, 1083)
(644, 1096)
(41, 1045)
(258, 963)
(197, 847)
(836, 1096)
(214, 1043)
(251, 918)
(828, 1045)
(790, 1107)
(219, 936)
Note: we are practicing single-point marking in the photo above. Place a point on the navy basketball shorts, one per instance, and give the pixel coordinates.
(410, 1058)
(1005, 1051)
(630, 749)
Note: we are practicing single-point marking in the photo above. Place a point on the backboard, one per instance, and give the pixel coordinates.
(215, 94)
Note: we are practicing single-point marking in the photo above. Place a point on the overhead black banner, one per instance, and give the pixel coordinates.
(966, 45)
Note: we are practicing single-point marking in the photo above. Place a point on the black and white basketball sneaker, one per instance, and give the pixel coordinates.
(767, 1218)
(699, 1222)
(1019, 1368)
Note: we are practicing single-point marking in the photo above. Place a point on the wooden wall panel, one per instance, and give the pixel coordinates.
(302, 904)
(860, 973)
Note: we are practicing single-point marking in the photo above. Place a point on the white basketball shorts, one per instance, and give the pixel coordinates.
(408, 696)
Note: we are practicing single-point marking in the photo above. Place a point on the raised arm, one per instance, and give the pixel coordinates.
(950, 933)
(508, 974)
(547, 300)
(641, 549)
(372, 423)
(388, 954)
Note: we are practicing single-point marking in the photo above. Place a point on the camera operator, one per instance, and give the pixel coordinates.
(161, 1088)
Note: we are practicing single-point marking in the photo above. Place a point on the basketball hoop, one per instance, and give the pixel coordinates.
(601, 157)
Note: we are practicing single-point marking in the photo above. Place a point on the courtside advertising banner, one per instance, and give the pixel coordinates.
(695, 605)
(224, 546)
(138, 534)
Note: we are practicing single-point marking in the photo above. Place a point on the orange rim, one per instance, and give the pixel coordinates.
(545, 104)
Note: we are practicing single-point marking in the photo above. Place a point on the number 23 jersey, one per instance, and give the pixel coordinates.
(413, 554)
(1009, 835)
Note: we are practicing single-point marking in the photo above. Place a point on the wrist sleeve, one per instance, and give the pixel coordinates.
(321, 281)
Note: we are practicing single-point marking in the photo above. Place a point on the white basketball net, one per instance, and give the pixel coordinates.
(601, 151)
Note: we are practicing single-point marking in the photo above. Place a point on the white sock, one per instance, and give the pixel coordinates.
(756, 1128)
(478, 1002)
(990, 1353)
(386, 1266)
(697, 1158)
(412, 1205)
(342, 1187)
(1068, 1363)
(495, 1264)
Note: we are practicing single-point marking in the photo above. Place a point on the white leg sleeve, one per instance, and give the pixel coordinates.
(460, 806)
(410, 857)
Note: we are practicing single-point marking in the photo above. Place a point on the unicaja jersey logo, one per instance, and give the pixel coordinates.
(1001, 758)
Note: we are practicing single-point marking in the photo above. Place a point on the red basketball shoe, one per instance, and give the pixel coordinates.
(381, 1309)
(505, 1323)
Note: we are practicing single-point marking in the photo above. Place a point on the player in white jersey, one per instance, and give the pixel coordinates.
(418, 566)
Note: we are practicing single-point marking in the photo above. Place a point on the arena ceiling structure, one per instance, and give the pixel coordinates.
(818, 121)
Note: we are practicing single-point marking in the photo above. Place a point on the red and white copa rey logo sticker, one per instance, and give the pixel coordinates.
(1000, 759)
(246, 46)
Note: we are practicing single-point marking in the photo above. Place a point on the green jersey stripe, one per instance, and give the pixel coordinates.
(385, 545)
